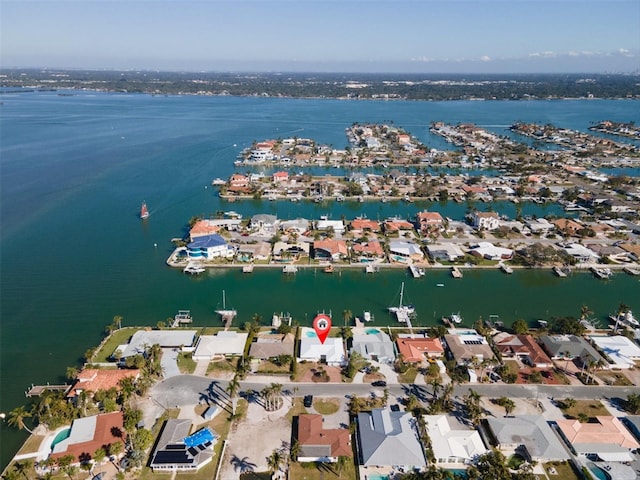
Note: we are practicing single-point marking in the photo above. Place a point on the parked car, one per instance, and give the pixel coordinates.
(308, 401)
(379, 383)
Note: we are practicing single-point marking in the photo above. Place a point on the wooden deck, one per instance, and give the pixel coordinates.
(37, 390)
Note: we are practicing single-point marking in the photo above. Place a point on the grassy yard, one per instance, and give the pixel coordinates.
(296, 409)
(327, 406)
(320, 471)
(590, 408)
(565, 472)
(119, 337)
(222, 366)
(614, 378)
(186, 363)
(31, 445)
(409, 376)
(267, 366)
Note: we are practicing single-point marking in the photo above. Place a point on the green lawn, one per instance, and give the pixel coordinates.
(565, 472)
(409, 376)
(327, 406)
(591, 408)
(321, 471)
(186, 363)
(119, 337)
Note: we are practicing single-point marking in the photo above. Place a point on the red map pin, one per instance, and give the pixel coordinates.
(322, 325)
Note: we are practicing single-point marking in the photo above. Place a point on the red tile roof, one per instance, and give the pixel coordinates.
(92, 380)
(415, 349)
(310, 432)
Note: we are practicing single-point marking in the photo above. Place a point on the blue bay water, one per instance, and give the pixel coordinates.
(74, 170)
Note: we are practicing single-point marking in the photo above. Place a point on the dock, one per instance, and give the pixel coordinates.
(182, 317)
(631, 270)
(559, 272)
(505, 268)
(456, 272)
(289, 269)
(37, 390)
(247, 268)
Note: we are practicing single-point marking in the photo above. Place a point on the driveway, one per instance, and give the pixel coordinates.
(169, 362)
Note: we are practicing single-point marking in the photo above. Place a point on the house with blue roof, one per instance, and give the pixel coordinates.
(209, 246)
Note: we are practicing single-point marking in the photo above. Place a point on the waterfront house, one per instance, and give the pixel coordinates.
(248, 252)
(603, 436)
(490, 251)
(405, 251)
(209, 246)
(264, 224)
(88, 434)
(272, 345)
(364, 224)
(429, 222)
(523, 347)
(374, 345)
(224, 343)
(325, 224)
(280, 177)
(331, 352)
(318, 444)
(581, 253)
(176, 450)
(91, 380)
(529, 435)
(571, 347)
(238, 180)
(566, 226)
(297, 226)
(452, 442)
(486, 220)
(466, 345)
(622, 352)
(393, 225)
(330, 249)
(290, 252)
(419, 349)
(444, 251)
(387, 438)
(368, 250)
(143, 339)
(203, 228)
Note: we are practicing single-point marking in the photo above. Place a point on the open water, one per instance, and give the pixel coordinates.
(74, 170)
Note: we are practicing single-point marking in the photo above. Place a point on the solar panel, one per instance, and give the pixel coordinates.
(193, 451)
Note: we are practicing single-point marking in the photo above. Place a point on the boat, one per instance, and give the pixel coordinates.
(224, 312)
(193, 268)
(328, 269)
(559, 272)
(370, 269)
(182, 317)
(367, 317)
(588, 325)
(279, 319)
(456, 318)
(439, 284)
(144, 211)
(506, 268)
(402, 312)
(416, 271)
(289, 269)
(631, 270)
(456, 272)
(602, 273)
(543, 323)
(247, 268)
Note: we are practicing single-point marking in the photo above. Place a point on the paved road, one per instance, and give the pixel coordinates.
(191, 389)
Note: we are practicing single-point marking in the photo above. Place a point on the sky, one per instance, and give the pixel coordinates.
(381, 36)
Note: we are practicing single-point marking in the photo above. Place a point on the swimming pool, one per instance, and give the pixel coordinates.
(311, 335)
(61, 436)
(598, 472)
(377, 476)
(458, 473)
(372, 331)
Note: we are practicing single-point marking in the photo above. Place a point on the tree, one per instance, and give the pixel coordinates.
(17, 417)
(493, 465)
(24, 467)
(472, 407)
(116, 448)
(632, 403)
(132, 417)
(569, 402)
(99, 455)
(508, 405)
(233, 388)
(274, 460)
(347, 315)
(520, 326)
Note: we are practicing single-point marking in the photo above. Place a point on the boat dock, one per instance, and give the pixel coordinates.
(559, 272)
(505, 268)
(182, 317)
(631, 270)
(247, 268)
(417, 272)
(289, 269)
(456, 272)
(37, 390)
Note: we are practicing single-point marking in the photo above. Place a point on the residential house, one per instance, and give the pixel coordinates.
(280, 177)
(248, 252)
(298, 226)
(444, 251)
(452, 442)
(330, 249)
(312, 349)
(387, 438)
(393, 225)
(622, 352)
(290, 252)
(368, 250)
(566, 226)
(143, 339)
(419, 349)
(374, 345)
(405, 252)
(318, 444)
(524, 347)
(364, 224)
(606, 438)
(176, 450)
(203, 228)
(325, 224)
(264, 224)
(272, 345)
(88, 434)
(466, 346)
(92, 379)
(581, 253)
(486, 220)
(209, 246)
(429, 222)
(529, 435)
(226, 342)
(571, 347)
(491, 252)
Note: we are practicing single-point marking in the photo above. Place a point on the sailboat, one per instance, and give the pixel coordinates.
(144, 211)
(402, 312)
(224, 312)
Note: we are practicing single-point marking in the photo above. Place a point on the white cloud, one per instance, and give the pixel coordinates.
(423, 59)
(485, 58)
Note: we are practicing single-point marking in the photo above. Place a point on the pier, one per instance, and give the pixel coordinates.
(456, 272)
(37, 390)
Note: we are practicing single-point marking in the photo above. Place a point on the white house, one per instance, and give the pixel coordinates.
(491, 252)
(452, 442)
(620, 350)
(330, 352)
(224, 343)
(486, 220)
(264, 223)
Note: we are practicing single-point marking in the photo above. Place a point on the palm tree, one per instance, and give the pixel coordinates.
(233, 388)
(584, 312)
(567, 355)
(294, 450)
(346, 316)
(23, 467)
(17, 417)
(274, 460)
